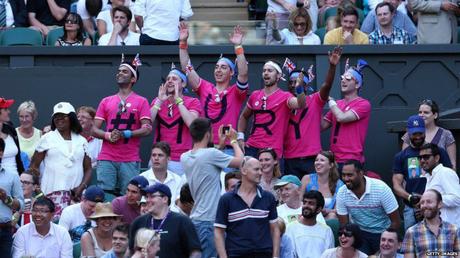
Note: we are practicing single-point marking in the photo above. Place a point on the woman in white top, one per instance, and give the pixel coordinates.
(350, 241)
(64, 153)
(97, 241)
(86, 116)
(11, 155)
(146, 243)
(28, 135)
(299, 31)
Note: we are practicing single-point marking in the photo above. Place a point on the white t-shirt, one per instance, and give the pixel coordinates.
(94, 147)
(72, 216)
(107, 18)
(132, 39)
(310, 241)
(332, 253)
(173, 181)
(290, 38)
(81, 8)
(9, 155)
(290, 215)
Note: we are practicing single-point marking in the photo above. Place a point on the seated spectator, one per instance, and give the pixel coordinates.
(310, 238)
(400, 20)
(389, 245)
(15, 14)
(97, 241)
(321, 12)
(31, 191)
(348, 33)
(299, 31)
(331, 23)
(159, 20)
(144, 207)
(184, 204)
(88, 10)
(326, 180)
(270, 170)
(73, 32)
(86, 115)
(120, 35)
(119, 242)
(386, 33)
(104, 18)
(42, 238)
(432, 231)
(349, 240)
(429, 110)
(28, 135)
(45, 15)
(282, 10)
(146, 244)
(75, 218)
(128, 205)
(231, 180)
(159, 173)
(286, 245)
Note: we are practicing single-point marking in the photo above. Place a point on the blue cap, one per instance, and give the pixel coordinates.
(415, 124)
(94, 193)
(158, 187)
(139, 181)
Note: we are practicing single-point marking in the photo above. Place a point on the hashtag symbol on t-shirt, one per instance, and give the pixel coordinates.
(121, 121)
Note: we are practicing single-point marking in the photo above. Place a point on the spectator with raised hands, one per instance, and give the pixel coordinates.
(73, 32)
(222, 101)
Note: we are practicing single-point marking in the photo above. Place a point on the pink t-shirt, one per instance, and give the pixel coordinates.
(347, 139)
(171, 127)
(270, 119)
(110, 111)
(220, 108)
(303, 134)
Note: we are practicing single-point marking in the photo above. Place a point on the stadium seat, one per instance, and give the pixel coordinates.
(53, 36)
(21, 37)
(334, 225)
(77, 250)
(321, 32)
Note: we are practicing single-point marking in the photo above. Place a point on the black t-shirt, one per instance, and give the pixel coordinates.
(178, 235)
(43, 13)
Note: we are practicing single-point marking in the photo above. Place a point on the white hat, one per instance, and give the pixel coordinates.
(63, 108)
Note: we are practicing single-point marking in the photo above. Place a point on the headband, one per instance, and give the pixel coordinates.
(130, 68)
(179, 73)
(294, 76)
(228, 62)
(275, 65)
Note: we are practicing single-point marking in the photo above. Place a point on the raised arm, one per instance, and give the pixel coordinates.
(236, 38)
(192, 75)
(57, 11)
(334, 59)
(162, 97)
(187, 115)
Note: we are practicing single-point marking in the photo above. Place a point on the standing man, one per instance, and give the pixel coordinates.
(120, 35)
(310, 237)
(270, 108)
(159, 173)
(202, 166)
(387, 33)
(178, 236)
(349, 117)
(246, 221)
(444, 180)
(127, 118)
(11, 198)
(302, 141)
(437, 21)
(221, 102)
(348, 32)
(159, 20)
(368, 202)
(129, 205)
(432, 236)
(409, 180)
(174, 113)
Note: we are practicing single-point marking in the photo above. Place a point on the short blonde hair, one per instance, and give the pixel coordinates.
(29, 107)
(144, 237)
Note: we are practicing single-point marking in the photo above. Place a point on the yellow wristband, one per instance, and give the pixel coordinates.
(156, 107)
(233, 141)
(179, 101)
(408, 198)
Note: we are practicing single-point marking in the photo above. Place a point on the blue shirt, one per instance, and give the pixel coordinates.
(247, 228)
(9, 181)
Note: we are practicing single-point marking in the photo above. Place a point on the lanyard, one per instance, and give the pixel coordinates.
(161, 223)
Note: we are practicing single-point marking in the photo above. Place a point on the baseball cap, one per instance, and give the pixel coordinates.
(94, 193)
(63, 108)
(139, 181)
(415, 124)
(158, 187)
(6, 103)
(288, 179)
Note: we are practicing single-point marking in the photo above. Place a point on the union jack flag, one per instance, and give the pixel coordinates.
(289, 65)
(137, 61)
(189, 67)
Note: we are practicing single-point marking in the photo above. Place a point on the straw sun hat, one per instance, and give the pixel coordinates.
(103, 210)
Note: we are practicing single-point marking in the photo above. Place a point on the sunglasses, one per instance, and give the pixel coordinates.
(425, 156)
(71, 21)
(346, 77)
(303, 24)
(346, 233)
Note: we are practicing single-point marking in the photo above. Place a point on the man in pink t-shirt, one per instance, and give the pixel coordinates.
(270, 108)
(221, 102)
(349, 118)
(302, 141)
(174, 113)
(127, 118)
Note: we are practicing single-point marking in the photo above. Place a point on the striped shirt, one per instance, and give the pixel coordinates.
(370, 211)
(420, 241)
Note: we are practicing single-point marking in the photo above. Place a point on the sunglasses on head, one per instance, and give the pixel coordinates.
(346, 233)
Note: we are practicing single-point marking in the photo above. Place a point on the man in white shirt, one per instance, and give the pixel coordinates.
(442, 179)
(310, 238)
(159, 20)
(42, 238)
(120, 35)
(291, 208)
(15, 14)
(159, 173)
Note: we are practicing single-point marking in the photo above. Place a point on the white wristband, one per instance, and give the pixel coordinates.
(240, 136)
(332, 103)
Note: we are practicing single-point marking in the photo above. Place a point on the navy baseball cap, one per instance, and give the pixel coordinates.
(158, 187)
(94, 193)
(415, 124)
(139, 181)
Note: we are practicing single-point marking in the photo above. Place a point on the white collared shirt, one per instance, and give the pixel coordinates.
(445, 181)
(55, 244)
(173, 181)
(132, 39)
(161, 18)
(9, 14)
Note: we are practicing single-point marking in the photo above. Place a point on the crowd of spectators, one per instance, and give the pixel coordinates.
(218, 185)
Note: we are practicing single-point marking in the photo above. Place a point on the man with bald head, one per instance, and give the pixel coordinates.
(246, 218)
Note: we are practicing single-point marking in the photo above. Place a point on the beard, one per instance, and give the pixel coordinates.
(308, 214)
